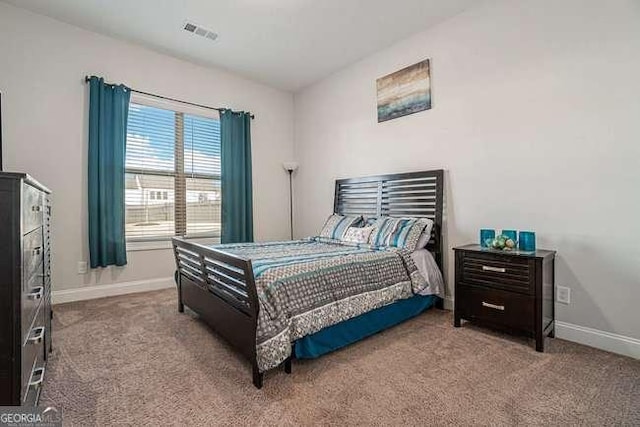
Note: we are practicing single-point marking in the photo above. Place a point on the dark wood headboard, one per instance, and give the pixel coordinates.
(413, 194)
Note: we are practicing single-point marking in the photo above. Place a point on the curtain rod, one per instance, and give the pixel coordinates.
(87, 79)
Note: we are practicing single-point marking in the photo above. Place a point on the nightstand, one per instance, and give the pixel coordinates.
(512, 291)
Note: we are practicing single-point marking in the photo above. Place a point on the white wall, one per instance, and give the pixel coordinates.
(536, 118)
(44, 104)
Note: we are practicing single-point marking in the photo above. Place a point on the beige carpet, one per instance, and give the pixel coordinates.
(134, 360)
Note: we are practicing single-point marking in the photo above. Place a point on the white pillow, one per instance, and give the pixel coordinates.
(357, 234)
(425, 236)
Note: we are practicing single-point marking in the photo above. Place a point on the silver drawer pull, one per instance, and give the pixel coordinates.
(37, 334)
(36, 251)
(496, 269)
(36, 208)
(39, 378)
(494, 306)
(36, 293)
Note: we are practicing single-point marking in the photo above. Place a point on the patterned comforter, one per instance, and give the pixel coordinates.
(306, 285)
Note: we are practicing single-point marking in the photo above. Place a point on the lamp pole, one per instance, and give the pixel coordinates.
(290, 167)
(291, 201)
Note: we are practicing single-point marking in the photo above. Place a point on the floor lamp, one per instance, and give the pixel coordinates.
(290, 167)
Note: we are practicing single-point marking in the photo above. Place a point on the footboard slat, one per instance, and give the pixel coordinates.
(188, 267)
(227, 269)
(189, 261)
(223, 277)
(236, 292)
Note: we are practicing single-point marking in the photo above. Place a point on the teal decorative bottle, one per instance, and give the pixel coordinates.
(527, 241)
(486, 236)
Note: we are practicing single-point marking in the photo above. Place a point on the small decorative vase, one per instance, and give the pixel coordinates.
(486, 237)
(527, 241)
(511, 234)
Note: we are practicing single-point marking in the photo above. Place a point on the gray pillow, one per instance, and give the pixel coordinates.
(337, 225)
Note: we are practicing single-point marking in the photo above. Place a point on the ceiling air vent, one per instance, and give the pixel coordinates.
(199, 30)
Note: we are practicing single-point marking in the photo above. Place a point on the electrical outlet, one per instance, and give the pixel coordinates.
(82, 267)
(563, 294)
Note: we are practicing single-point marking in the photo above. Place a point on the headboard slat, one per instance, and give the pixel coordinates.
(415, 194)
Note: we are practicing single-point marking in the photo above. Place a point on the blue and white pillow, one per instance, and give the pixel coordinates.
(398, 232)
(336, 225)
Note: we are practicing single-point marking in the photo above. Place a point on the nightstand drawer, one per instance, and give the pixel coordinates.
(498, 271)
(496, 307)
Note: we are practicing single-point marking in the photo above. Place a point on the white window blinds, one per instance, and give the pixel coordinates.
(172, 174)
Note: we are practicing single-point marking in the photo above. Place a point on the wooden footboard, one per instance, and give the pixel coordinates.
(220, 287)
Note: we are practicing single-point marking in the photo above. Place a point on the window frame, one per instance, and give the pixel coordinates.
(162, 242)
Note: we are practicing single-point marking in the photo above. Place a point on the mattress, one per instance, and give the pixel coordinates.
(307, 285)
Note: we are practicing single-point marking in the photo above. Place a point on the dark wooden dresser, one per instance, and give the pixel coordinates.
(25, 287)
(512, 291)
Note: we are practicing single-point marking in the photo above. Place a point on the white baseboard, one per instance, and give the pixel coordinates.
(448, 303)
(110, 290)
(608, 341)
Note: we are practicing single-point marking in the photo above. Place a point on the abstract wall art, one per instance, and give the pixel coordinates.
(404, 92)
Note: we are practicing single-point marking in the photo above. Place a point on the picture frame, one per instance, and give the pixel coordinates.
(404, 92)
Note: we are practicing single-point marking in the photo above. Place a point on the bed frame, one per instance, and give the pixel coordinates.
(220, 286)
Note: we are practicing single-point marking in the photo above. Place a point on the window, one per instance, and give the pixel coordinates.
(172, 171)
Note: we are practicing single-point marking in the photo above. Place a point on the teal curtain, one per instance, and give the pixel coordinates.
(237, 195)
(108, 111)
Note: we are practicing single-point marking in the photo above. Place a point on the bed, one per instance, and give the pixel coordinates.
(303, 298)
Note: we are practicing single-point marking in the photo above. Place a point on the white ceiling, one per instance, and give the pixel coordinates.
(288, 44)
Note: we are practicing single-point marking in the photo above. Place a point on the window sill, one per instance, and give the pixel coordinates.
(155, 245)
(148, 246)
